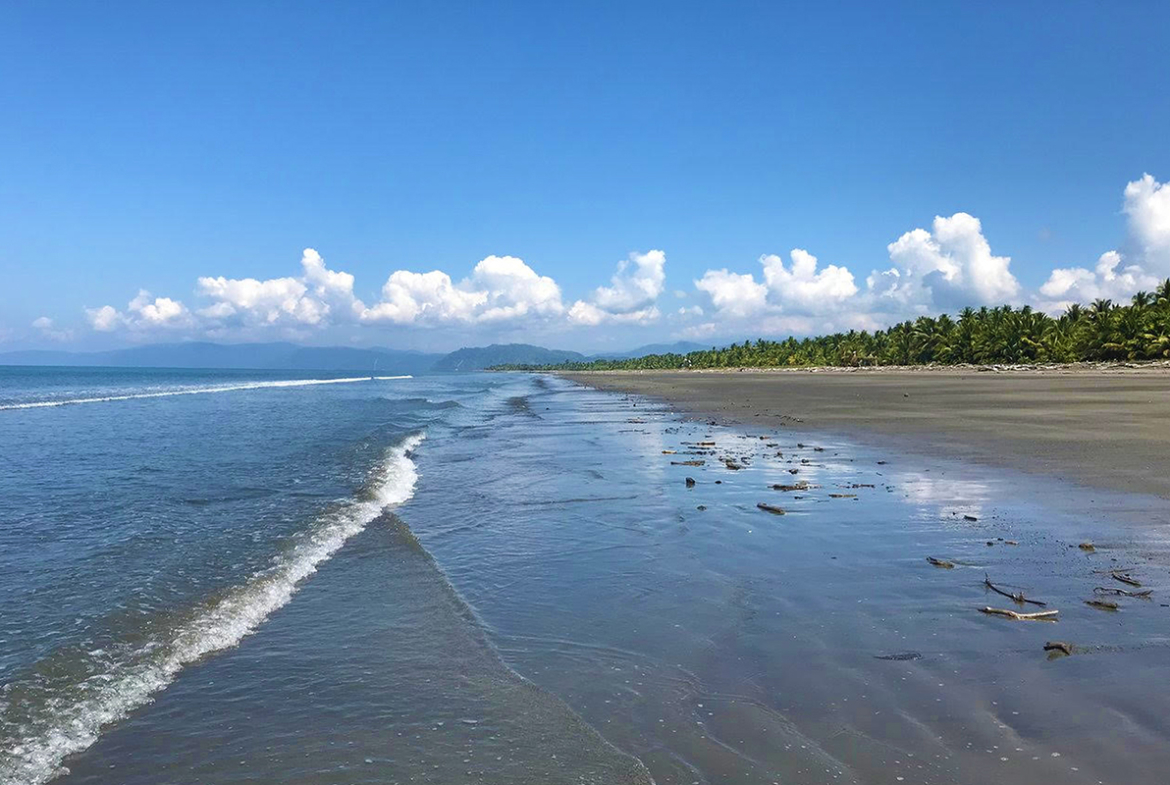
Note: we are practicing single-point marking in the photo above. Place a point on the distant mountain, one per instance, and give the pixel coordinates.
(267, 356)
(678, 347)
(290, 357)
(480, 357)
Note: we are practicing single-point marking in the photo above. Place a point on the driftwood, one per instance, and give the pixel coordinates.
(1104, 605)
(687, 463)
(1018, 596)
(800, 486)
(770, 508)
(970, 518)
(690, 482)
(842, 495)
(1087, 547)
(1058, 646)
(902, 656)
(668, 452)
(1144, 593)
(1038, 616)
(940, 563)
(1125, 579)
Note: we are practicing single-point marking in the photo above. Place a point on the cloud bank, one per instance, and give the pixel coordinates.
(947, 267)
(943, 267)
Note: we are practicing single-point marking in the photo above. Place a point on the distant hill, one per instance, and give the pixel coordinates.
(478, 358)
(678, 347)
(268, 356)
(290, 357)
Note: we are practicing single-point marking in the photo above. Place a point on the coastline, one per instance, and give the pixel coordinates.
(1104, 427)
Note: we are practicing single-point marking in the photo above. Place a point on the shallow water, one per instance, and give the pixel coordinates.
(242, 587)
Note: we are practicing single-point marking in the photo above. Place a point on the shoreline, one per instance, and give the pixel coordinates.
(1104, 427)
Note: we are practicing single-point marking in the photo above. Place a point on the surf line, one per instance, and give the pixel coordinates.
(200, 391)
(76, 723)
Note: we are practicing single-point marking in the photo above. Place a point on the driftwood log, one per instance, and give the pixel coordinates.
(1038, 616)
(1018, 596)
(1144, 593)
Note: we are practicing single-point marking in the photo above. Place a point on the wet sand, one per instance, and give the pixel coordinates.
(1103, 428)
(822, 645)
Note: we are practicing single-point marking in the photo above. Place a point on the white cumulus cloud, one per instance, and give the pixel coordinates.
(1108, 280)
(1115, 276)
(104, 319)
(953, 262)
(733, 294)
(1147, 208)
(409, 297)
(46, 327)
(309, 300)
(799, 288)
(144, 312)
(631, 295)
(499, 288)
(804, 288)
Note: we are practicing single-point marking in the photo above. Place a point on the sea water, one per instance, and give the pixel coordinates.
(212, 576)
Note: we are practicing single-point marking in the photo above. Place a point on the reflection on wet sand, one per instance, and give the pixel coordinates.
(720, 643)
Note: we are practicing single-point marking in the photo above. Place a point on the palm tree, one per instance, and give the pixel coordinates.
(1163, 291)
(1102, 331)
(1101, 306)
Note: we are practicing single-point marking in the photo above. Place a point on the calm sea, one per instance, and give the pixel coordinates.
(211, 576)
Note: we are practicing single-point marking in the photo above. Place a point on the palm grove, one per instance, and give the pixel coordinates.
(1103, 331)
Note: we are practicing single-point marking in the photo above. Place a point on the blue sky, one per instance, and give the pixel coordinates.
(187, 149)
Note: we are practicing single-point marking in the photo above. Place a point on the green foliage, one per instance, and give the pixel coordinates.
(1103, 331)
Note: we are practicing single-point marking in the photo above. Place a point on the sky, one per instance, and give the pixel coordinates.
(590, 176)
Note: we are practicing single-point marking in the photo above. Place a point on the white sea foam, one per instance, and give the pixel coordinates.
(78, 718)
(197, 391)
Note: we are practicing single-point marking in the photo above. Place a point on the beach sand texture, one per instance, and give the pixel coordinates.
(1103, 428)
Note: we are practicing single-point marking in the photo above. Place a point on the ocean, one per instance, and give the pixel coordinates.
(248, 576)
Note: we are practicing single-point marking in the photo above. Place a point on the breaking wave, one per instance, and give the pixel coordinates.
(69, 718)
(197, 391)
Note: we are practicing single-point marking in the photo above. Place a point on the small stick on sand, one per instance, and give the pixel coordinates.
(1112, 570)
(940, 563)
(770, 508)
(1038, 616)
(1144, 593)
(1125, 579)
(1104, 605)
(1018, 596)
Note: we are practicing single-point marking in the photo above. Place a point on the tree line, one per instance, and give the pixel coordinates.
(1103, 331)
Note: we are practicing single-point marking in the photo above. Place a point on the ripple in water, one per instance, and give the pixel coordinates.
(58, 720)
